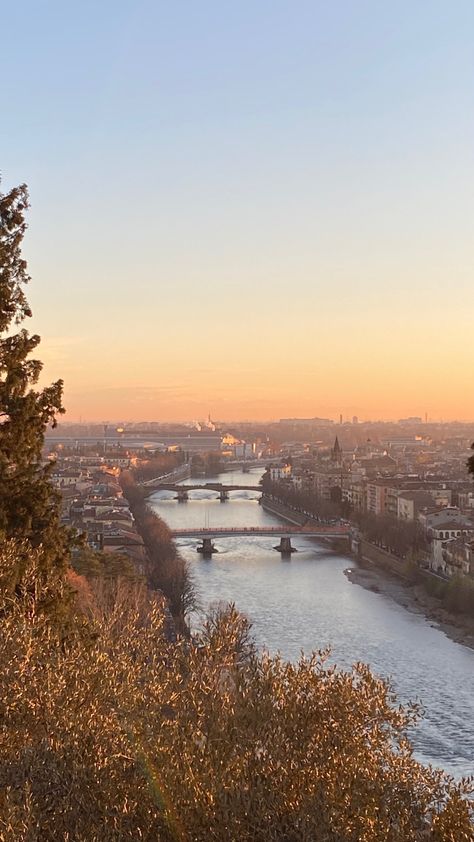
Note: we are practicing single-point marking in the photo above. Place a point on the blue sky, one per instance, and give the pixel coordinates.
(245, 193)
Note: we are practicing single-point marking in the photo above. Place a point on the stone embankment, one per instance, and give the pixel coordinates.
(275, 507)
(179, 473)
(372, 555)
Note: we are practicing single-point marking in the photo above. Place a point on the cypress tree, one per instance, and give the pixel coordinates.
(29, 506)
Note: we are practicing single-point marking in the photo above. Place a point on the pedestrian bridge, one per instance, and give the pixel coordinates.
(284, 533)
(199, 486)
(271, 531)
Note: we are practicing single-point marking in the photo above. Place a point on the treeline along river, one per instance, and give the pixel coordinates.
(307, 603)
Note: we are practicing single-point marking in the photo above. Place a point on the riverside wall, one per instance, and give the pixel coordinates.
(382, 559)
(285, 512)
(369, 553)
(179, 473)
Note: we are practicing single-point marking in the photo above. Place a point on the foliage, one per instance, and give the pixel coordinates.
(91, 564)
(402, 538)
(209, 464)
(29, 508)
(470, 462)
(459, 595)
(166, 569)
(131, 737)
(305, 501)
(158, 465)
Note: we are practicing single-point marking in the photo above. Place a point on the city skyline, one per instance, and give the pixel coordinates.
(201, 422)
(259, 209)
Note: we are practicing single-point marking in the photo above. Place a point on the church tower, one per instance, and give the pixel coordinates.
(336, 452)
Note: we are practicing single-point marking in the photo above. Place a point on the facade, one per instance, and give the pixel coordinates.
(356, 494)
(377, 494)
(432, 518)
(279, 472)
(441, 537)
(409, 503)
(327, 477)
(375, 466)
(66, 477)
(458, 557)
(466, 499)
(442, 496)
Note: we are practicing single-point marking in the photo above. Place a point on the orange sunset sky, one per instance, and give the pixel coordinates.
(253, 210)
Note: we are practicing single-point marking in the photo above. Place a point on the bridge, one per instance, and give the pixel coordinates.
(182, 491)
(244, 464)
(209, 534)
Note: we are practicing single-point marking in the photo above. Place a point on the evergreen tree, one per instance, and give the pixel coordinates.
(29, 507)
(470, 462)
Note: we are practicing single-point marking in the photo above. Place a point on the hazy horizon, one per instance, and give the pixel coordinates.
(231, 420)
(253, 209)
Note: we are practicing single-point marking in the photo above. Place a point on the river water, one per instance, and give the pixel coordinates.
(307, 603)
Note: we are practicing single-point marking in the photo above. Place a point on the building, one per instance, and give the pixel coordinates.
(279, 472)
(458, 557)
(466, 499)
(375, 466)
(330, 476)
(356, 495)
(375, 501)
(306, 422)
(441, 536)
(409, 503)
(336, 453)
(432, 519)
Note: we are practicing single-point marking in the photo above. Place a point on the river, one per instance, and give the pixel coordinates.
(307, 603)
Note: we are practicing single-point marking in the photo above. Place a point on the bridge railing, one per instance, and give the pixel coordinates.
(166, 485)
(270, 530)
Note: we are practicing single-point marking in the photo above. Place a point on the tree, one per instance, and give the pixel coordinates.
(29, 507)
(101, 565)
(470, 462)
(166, 571)
(134, 737)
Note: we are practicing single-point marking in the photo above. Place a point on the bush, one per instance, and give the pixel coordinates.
(121, 735)
(459, 596)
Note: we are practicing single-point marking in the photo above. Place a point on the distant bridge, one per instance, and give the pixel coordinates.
(182, 491)
(231, 464)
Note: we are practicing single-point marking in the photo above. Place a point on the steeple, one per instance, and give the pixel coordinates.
(336, 453)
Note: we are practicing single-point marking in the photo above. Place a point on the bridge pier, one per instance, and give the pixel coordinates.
(284, 547)
(183, 496)
(224, 495)
(207, 547)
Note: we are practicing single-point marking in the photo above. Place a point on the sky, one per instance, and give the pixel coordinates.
(257, 209)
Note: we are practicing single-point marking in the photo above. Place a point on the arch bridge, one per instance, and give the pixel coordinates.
(182, 491)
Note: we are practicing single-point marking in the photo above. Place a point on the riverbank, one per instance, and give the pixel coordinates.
(414, 598)
(286, 512)
(385, 573)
